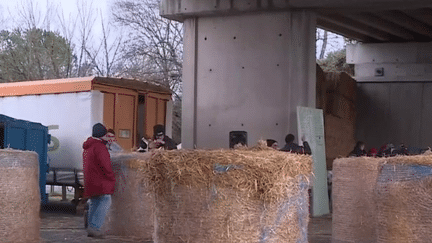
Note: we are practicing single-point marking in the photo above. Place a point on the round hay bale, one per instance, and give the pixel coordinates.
(243, 195)
(20, 198)
(132, 209)
(354, 207)
(404, 199)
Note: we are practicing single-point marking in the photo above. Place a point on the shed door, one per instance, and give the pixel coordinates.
(124, 118)
(155, 113)
(151, 118)
(119, 114)
(109, 108)
(161, 112)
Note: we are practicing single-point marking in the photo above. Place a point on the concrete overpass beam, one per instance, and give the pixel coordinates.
(248, 73)
(182, 9)
(357, 26)
(382, 25)
(338, 29)
(407, 22)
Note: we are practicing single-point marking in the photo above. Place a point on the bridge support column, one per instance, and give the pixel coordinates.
(246, 72)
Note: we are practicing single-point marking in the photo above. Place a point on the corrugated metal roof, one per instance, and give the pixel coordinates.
(56, 86)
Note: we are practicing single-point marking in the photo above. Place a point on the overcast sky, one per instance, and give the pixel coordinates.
(9, 9)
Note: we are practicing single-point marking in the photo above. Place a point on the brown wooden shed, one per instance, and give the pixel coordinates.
(130, 107)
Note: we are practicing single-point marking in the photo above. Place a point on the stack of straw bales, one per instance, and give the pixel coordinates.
(404, 199)
(132, 209)
(243, 195)
(382, 200)
(354, 209)
(19, 196)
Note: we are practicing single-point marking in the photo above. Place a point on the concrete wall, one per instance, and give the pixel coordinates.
(246, 73)
(400, 62)
(393, 106)
(396, 113)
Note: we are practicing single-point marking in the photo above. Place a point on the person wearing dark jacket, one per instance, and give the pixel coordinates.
(160, 140)
(99, 179)
(272, 143)
(292, 147)
(359, 150)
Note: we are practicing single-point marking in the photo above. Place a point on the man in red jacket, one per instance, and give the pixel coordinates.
(99, 179)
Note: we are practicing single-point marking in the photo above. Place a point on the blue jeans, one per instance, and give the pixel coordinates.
(98, 209)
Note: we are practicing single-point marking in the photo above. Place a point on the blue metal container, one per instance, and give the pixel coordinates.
(25, 135)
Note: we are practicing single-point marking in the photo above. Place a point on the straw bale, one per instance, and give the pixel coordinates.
(342, 83)
(339, 138)
(404, 199)
(132, 210)
(243, 195)
(340, 106)
(320, 88)
(20, 198)
(422, 159)
(354, 207)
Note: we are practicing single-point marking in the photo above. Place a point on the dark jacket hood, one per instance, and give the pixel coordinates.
(92, 141)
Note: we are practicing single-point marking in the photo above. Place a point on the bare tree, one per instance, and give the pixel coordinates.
(67, 28)
(2, 17)
(155, 42)
(30, 15)
(327, 42)
(153, 50)
(324, 44)
(106, 55)
(86, 20)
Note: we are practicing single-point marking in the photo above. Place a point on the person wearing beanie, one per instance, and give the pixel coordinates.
(292, 147)
(99, 130)
(99, 179)
(359, 150)
(160, 140)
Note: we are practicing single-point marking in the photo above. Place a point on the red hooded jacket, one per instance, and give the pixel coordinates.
(99, 178)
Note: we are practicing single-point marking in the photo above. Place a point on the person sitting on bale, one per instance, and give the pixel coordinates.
(143, 144)
(272, 143)
(386, 150)
(373, 152)
(292, 147)
(160, 140)
(359, 150)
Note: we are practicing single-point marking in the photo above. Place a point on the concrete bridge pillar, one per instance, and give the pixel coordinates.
(243, 72)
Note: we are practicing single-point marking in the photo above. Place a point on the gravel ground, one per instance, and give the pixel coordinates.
(59, 223)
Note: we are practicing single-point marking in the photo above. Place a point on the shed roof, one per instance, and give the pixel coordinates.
(68, 85)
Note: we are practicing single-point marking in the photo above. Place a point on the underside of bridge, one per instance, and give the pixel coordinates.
(368, 21)
(395, 25)
(256, 54)
(248, 65)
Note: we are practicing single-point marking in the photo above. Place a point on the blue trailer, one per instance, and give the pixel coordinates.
(25, 135)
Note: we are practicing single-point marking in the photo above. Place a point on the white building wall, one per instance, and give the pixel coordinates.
(246, 73)
(74, 113)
